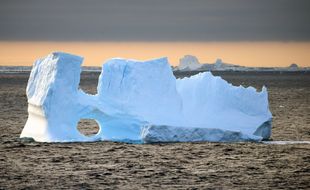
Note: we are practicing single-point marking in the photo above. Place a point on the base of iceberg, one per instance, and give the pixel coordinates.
(162, 133)
(140, 101)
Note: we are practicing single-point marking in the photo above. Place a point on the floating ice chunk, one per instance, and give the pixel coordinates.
(286, 142)
(141, 102)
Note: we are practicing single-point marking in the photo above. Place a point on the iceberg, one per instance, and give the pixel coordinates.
(141, 102)
(189, 63)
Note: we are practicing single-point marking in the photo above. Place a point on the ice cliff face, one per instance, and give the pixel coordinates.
(141, 102)
(142, 89)
(54, 102)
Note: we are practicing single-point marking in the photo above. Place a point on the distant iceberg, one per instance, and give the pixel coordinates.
(141, 102)
(191, 63)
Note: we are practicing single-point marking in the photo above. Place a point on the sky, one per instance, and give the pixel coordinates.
(279, 26)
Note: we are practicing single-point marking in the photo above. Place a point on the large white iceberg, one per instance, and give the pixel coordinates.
(141, 102)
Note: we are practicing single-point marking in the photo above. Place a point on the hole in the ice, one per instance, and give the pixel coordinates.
(89, 81)
(88, 127)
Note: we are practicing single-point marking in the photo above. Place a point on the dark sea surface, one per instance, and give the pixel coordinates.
(110, 165)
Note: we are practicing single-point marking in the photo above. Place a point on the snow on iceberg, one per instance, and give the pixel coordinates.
(141, 102)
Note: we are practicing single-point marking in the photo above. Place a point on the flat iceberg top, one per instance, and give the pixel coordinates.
(134, 95)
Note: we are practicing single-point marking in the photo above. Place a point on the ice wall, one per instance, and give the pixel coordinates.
(146, 90)
(53, 99)
(141, 102)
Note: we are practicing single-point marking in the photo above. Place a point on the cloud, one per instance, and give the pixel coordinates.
(160, 20)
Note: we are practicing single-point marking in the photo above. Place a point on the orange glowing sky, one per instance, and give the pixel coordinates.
(262, 54)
